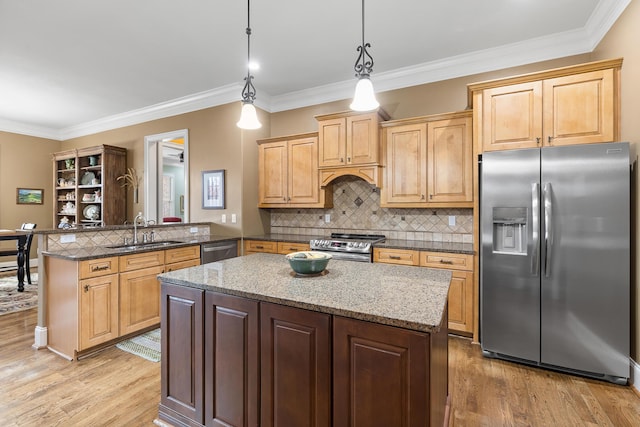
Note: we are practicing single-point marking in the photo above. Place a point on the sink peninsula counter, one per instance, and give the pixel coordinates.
(245, 342)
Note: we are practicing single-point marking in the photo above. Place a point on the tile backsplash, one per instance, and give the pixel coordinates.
(356, 209)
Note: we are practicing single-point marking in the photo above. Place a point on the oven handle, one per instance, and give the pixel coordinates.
(360, 257)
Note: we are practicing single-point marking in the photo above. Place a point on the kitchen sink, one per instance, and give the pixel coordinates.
(146, 245)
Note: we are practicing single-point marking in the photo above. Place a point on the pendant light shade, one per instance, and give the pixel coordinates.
(364, 98)
(248, 115)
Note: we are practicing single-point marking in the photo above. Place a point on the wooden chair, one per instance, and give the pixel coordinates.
(27, 249)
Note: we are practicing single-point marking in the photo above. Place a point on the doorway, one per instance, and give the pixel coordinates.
(166, 177)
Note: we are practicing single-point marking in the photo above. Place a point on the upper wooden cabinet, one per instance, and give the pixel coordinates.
(288, 172)
(349, 144)
(428, 162)
(565, 106)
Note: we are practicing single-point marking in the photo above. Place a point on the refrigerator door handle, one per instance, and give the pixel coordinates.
(548, 228)
(535, 224)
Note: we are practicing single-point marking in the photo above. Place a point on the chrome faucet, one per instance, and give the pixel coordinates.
(135, 226)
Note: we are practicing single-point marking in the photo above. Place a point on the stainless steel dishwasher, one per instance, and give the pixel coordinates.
(217, 251)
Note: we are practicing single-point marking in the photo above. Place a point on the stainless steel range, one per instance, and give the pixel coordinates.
(352, 247)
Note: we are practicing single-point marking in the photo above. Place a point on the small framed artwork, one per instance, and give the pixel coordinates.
(29, 196)
(213, 189)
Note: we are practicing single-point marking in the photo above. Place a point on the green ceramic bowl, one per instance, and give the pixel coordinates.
(308, 262)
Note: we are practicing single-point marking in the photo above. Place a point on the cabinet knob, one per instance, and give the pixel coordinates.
(86, 288)
(538, 141)
(422, 196)
(430, 196)
(349, 159)
(549, 139)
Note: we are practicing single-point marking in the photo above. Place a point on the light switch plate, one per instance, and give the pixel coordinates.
(223, 218)
(193, 229)
(233, 218)
(452, 221)
(327, 218)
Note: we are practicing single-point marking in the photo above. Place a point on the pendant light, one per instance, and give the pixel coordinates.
(364, 98)
(248, 115)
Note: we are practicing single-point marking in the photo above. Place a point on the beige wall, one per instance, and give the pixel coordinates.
(25, 162)
(621, 41)
(215, 142)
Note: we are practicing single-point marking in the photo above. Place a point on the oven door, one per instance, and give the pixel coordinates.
(347, 256)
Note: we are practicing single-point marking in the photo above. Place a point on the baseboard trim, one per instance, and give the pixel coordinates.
(635, 376)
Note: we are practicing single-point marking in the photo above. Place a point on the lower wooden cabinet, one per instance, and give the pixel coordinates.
(139, 299)
(461, 296)
(98, 310)
(239, 362)
(295, 367)
(92, 303)
(231, 367)
(387, 376)
(182, 341)
(256, 246)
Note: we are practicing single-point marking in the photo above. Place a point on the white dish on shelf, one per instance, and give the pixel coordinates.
(91, 212)
(87, 178)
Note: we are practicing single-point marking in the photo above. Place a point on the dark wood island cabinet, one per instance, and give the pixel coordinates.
(241, 349)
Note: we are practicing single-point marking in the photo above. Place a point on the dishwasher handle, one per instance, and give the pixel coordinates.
(218, 248)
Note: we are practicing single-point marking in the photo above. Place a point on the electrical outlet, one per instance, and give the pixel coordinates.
(193, 230)
(223, 218)
(327, 218)
(233, 218)
(452, 221)
(67, 238)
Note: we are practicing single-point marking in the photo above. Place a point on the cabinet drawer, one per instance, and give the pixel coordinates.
(138, 261)
(182, 264)
(181, 254)
(260, 246)
(396, 256)
(288, 247)
(446, 260)
(98, 267)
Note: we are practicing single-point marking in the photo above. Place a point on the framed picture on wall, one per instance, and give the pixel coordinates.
(213, 189)
(29, 196)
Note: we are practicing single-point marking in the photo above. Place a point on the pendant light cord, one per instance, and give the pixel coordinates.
(249, 35)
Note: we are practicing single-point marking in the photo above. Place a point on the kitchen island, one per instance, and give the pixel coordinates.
(246, 342)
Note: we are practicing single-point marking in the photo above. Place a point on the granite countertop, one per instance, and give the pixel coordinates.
(92, 252)
(458, 248)
(406, 297)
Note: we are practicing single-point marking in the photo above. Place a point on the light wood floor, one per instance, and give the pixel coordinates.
(114, 388)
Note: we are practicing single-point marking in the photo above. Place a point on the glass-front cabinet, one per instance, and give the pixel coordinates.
(87, 192)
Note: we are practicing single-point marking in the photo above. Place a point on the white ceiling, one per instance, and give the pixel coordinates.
(74, 67)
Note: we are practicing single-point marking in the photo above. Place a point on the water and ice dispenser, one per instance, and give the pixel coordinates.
(510, 231)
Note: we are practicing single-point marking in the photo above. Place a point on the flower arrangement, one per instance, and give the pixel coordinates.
(131, 179)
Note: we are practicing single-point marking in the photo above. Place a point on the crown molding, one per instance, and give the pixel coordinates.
(28, 129)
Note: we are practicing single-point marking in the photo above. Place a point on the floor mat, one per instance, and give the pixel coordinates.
(146, 345)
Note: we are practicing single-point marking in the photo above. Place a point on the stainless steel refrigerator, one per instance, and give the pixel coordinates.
(555, 257)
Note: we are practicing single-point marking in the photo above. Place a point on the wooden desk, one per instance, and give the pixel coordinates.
(21, 237)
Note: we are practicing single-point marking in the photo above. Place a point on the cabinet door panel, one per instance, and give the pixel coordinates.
(512, 116)
(449, 161)
(295, 367)
(272, 164)
(139, 299)
(231, 361)
(460, 304)
(379, 375)
(362, 139)
(303, 176)
(406, 148)
(98, 310)
(579, 109)
(332, 142)
(182, 388)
